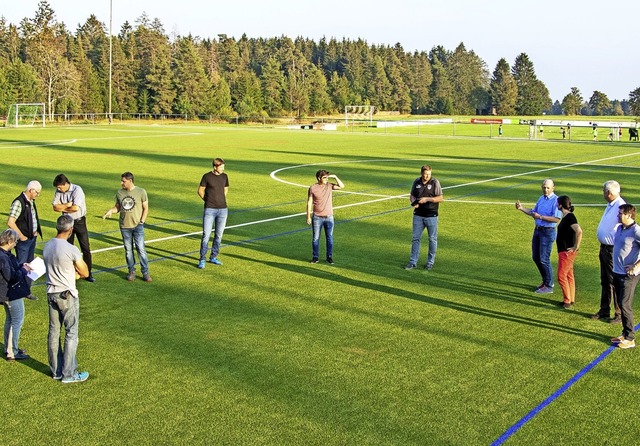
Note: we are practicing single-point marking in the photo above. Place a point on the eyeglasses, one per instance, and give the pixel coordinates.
(36, 191)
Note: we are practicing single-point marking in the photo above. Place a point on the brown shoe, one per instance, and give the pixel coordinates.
(146, 278)
(132, 276)
(598, 317)
(616, 320)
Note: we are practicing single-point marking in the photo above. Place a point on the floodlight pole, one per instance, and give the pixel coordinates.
(110, 119)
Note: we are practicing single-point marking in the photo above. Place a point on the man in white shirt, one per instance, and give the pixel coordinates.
(606, 231)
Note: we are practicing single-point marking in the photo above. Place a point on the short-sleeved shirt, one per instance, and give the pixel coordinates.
(566, 237)
(59, 257)
(626, 248)
(214, 197)
(16, 210)
(548, 207)
(322, 199)
(609, 222)
(431, 189)
(74, 195)
(131, 206)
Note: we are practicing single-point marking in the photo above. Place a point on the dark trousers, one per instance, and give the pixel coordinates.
(80, 230)
(625, 289)
(608, 293)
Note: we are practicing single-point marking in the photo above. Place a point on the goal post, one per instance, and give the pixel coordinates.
(26, 115)
(359, 112)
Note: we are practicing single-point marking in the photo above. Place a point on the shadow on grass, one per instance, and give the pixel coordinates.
(332, 274)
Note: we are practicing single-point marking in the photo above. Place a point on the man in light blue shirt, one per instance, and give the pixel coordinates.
(546, 215)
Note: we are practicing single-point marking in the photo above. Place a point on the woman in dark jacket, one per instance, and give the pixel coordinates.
(11, 273)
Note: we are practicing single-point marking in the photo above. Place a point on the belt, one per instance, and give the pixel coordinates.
(545, 228)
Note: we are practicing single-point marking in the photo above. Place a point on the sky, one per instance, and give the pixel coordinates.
(585, 44)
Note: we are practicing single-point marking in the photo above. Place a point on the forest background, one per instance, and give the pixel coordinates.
(42, 61)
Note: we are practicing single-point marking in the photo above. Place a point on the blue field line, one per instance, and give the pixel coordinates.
(555, 395)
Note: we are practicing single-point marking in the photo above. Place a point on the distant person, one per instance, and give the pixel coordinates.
(213, 190)
(546, 215)
(626, 270)
(606, 232)
(23, 218)
(320, 212)
(500, 130)
(69, 199)
(564, 132)
(64, 261)
(595, 133)
(568, 243)
(133, 204)
(541, 130)
(425, 198)
(12, 273)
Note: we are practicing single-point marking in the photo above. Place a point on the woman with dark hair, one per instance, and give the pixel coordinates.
(568, 242)
(11, 274)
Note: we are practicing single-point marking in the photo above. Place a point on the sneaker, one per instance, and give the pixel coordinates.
(544, 290)
(410, 266)
(314, 260)
(202, 264)
(146, 277)
(567, 305)
(539, 286)
(57, 377)
(77, 378)
(627, 343)
(132, 276)
(428, 267)
(31, 297)
(616, 320)
(617, 339)
(215, 261)
(330, 260)
(90, 279)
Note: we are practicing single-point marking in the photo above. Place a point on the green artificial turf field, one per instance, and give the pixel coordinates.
(271, 350)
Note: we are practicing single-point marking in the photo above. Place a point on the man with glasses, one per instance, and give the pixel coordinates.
(23, 218)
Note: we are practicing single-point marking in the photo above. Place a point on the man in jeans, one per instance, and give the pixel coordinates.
(133, 205)
(320, 212)
(213, 190)
(546, 215)
(23, 218)
(426, 196)
(63, 261)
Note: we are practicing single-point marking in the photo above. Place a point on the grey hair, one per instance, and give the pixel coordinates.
(612, 186)
(8, 236)
(64, 223)
(34, 184)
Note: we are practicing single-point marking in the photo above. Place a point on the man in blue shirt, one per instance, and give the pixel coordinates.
(546, 215)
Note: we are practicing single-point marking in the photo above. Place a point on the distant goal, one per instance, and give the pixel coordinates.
(358, 113)
(26, 115)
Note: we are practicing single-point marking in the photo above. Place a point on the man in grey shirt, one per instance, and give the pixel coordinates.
(63, 260)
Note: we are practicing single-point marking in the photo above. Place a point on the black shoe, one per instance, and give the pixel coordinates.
(616, 320)
(90, 279)
(314, 260)
(330, 261)
(599, 317)
(31, 297)
(21, 356)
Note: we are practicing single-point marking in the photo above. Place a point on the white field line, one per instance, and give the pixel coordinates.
(376, 200)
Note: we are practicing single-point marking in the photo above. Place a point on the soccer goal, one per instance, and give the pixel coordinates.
(353, 113)
(26, 115)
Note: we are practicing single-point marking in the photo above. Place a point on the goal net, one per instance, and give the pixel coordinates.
(358, 113)
(26, 115)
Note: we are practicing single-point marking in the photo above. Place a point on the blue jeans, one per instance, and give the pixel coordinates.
(25, 251)
(541, 246)
(131, 237)
(317, 224)
(63, 312)
(211, 216)
(14, 310)
(419, 225)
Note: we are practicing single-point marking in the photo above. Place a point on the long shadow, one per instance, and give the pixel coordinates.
(32, 364)
(431, 300)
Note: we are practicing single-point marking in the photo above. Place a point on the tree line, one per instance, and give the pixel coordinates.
(42, 61)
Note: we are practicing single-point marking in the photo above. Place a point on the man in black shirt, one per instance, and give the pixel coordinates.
(213, 191)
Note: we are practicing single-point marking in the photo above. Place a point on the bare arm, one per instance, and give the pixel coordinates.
(340, 184)
(81, 268)
(578, 230)
(201, 192)
(11, 223)
(309, 209)
(114, 210)
(145, 211)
